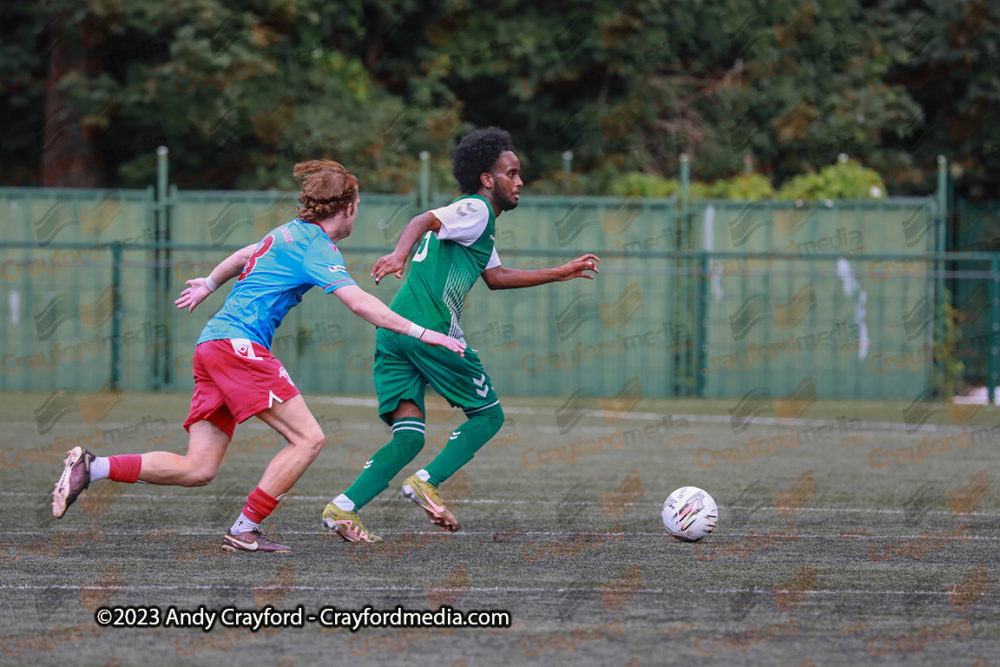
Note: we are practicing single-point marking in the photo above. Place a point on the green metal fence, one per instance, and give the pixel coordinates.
(718, 298)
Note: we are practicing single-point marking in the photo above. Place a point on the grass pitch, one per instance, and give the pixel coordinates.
(835, 544)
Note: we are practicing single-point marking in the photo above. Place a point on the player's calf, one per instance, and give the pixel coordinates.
(463, 444)
(407, 441)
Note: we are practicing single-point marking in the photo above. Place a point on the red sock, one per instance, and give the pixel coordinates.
(125, 468)
(259, 505)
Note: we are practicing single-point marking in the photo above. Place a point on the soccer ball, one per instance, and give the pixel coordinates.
(690, 514)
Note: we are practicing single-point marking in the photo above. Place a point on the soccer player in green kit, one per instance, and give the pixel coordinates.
(455, 249)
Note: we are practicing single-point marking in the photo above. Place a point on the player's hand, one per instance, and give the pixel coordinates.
(578, 268)
(388, 264)
(435, 338)
(196, 292)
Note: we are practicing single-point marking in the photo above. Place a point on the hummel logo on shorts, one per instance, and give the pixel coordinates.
(243, 347)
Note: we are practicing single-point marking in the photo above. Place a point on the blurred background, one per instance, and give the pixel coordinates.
(794, 196)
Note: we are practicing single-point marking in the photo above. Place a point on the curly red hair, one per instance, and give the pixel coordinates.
(327, 189)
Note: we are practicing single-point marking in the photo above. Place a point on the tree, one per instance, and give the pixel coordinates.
(240, 90)
(237, 95)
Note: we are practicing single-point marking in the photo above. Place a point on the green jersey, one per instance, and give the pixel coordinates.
(447, 264)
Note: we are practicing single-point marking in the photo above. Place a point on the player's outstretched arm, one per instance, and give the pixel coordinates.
(414, 231)
(370, 309)
(199, 288)
(500, 277)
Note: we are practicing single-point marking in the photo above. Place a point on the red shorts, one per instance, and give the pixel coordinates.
(234, 379)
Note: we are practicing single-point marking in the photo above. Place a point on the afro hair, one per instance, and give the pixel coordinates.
(475, 155)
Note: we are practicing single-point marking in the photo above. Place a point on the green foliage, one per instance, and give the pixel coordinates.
(237, 94)
(948, 369)
(748, 187)
(844, 180)
(788, 83)
(557, 182)
(645, 185)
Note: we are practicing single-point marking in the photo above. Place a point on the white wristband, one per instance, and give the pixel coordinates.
(416, 331)
(211, 284)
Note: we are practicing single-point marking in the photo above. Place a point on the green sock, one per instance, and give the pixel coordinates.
(407, 441)
(465, 442)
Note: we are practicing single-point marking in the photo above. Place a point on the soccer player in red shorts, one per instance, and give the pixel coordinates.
(237, 377)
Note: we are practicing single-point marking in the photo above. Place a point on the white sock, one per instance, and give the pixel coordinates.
(422, 475)
(100, 468)
(344, 503)
(243, 524)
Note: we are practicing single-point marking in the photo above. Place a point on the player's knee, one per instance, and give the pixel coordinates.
(488, 422)
(495, 417)
(312, 441)
(201, 475)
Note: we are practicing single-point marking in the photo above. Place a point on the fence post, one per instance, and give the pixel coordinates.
(168, 298)
(941, 307)
(116, 313)
(701, 327)
(425, 180)
(160, 233)
(994, 337)
(691, 292)
(161, 174)
(685, 179)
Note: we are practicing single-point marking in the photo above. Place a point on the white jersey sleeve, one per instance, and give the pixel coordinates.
(463, 221)
(494, 260)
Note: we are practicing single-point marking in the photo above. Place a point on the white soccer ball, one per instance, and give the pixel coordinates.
(690, 514)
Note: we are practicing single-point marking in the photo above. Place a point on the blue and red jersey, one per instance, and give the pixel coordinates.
(286, 264)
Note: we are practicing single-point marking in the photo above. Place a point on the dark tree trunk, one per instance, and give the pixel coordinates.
(68, 159)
